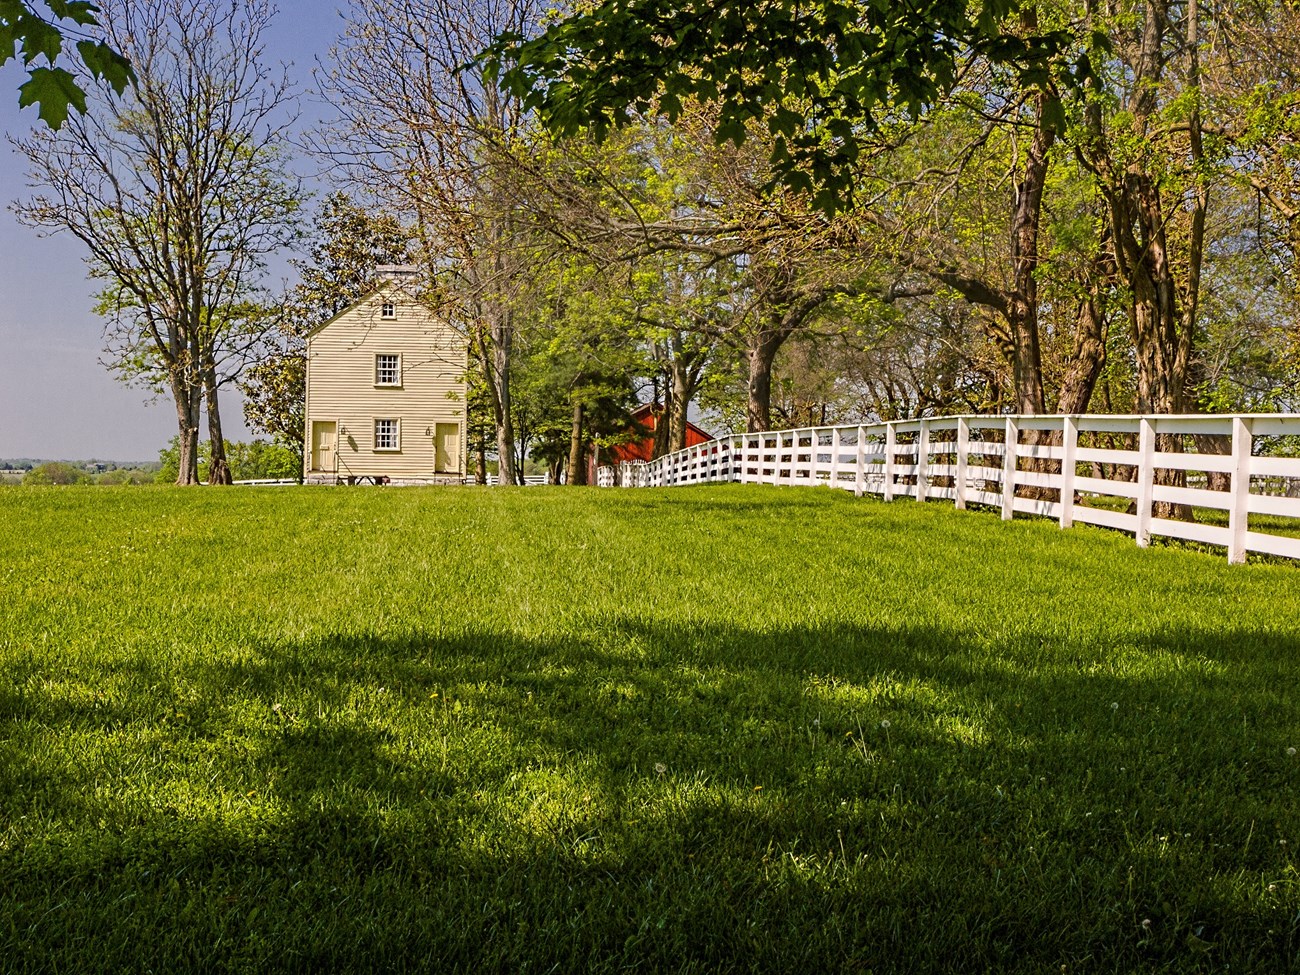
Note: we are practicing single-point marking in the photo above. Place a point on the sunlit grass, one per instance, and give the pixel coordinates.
(696, 729)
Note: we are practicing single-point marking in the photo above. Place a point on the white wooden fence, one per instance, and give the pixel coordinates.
(1123, 472)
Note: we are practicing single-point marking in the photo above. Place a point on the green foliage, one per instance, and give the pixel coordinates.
(260, 460)
(578, 347)
(683, 730)
(252, 461)
(820, 77)
(128, 475)
(57, 473)
(275, 395)
(31, 30)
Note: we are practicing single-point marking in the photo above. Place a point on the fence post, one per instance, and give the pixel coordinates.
(860, 475)
(963, 449)
(923, 461)
(1146, 480)
(1011, 441)
(1239, 513)
(891, 443)
(1069, 450)
(835, 456)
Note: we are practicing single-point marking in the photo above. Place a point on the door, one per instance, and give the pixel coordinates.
(322, 445)
(446, 448)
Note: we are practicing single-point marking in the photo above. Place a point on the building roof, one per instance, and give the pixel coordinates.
(391, 274)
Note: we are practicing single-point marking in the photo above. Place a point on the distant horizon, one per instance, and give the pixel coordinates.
(11, 463)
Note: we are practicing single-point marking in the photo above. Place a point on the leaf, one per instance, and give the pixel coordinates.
(38, 39)
(732, 130)
(103, 62)
(53, 89)
(80, 12)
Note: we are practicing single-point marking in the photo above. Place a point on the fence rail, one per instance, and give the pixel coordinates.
(1139, 474)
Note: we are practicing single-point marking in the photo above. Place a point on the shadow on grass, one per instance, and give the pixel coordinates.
(662, 797)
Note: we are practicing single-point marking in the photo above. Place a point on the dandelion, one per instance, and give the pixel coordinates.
(1291, 751)
(1146, 923)
(660, 768)
(1272, 888)
(885, 724)
(1114, 705)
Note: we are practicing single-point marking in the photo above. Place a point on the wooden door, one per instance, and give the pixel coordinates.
(446, 448)
(322, 445)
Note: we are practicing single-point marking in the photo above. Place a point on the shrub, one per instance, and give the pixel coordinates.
(56, 472)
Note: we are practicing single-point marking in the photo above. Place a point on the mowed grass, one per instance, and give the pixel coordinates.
(715, 729)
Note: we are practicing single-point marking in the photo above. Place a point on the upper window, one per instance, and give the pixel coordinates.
(388, 310)
(387, 435)
(388, 369)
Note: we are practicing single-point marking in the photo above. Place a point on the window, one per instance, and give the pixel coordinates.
(387, 310)
(388, 369)
(386, 435)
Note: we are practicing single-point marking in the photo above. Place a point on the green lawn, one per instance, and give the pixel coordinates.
(696, 729)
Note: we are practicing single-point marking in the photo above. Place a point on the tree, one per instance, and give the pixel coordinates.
(56, 472)
(178, 192)
(348, 246)
(437, 139)
(30, 31)
(816, 76)
(731, 264)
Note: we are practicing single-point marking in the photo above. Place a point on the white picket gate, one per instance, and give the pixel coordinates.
(1137, 461)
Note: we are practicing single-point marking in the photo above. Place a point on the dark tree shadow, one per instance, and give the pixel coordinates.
(650, 797)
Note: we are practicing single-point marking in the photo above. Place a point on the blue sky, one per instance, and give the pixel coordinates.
(56, 400)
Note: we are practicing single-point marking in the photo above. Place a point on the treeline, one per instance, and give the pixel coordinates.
(255, 460)
(1120, 237)
(1070, 208)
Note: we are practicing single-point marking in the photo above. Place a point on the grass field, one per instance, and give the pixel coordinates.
(700, 729)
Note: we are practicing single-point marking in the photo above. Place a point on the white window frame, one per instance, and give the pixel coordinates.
(388, 310)
(396, 433)
(379, 380)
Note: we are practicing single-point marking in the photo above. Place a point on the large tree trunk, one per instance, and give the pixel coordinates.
(218, 468)
(187, 398)
(577, 469)
(492, 340)
(1088, 357)
(683, 393)
(758, 406)
(1022, 303)
(663, 427)
(502, 342)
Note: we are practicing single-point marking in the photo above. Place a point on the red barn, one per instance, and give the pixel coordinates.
(649, 416)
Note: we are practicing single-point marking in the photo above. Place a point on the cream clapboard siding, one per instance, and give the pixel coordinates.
(341, 386)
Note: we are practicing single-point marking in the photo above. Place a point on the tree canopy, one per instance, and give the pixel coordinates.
(817, 75)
